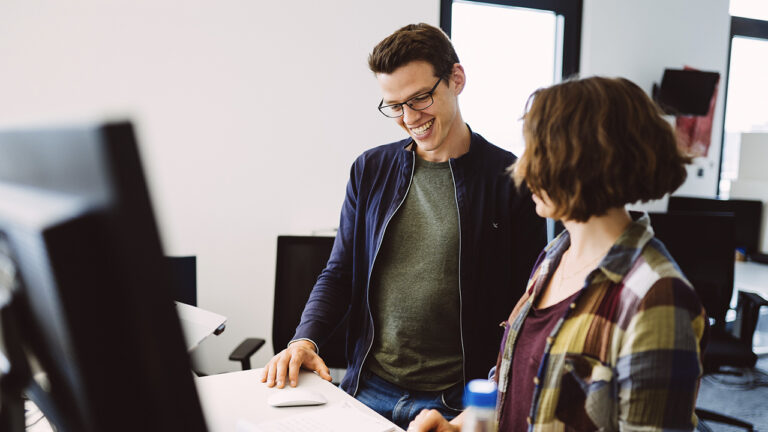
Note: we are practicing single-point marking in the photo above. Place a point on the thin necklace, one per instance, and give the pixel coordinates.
(592, 262)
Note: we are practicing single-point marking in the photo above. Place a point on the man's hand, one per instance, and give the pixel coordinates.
(433, 421)
(298, 354)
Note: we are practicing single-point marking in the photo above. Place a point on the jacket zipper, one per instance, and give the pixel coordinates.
(370, 272)
(461, 303)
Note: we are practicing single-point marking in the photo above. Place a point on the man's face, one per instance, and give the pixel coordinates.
(432, 127)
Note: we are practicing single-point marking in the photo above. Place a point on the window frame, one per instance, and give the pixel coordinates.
(570, 10)
(740, 27)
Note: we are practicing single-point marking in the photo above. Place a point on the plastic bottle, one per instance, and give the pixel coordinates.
(480, 406)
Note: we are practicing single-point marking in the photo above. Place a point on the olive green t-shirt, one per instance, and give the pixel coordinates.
(415, 287)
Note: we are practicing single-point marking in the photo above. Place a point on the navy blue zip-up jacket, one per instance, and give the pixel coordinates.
(500, 238)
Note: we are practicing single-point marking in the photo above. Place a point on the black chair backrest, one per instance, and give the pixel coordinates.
(748, 213)
(703, 245)
(300, 260)
(183, 271)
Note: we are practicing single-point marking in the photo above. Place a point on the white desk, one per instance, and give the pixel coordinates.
(751, 276)
(230, 397)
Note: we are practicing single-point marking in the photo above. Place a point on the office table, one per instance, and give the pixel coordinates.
(751, 276)
(241, 396)
(230, 399)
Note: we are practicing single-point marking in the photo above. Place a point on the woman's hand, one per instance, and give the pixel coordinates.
(433, 421)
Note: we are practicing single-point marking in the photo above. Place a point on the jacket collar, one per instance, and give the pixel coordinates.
(475, 145)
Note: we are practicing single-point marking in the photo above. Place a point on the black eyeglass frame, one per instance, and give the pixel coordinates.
(408, 102)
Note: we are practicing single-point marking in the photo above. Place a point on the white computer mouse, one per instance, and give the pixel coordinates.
(289, 397)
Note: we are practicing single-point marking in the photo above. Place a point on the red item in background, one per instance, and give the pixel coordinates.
(694, 133)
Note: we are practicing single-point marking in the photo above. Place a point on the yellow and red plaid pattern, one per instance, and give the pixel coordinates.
(626, 354)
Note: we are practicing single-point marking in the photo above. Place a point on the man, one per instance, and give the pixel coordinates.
(434, 246)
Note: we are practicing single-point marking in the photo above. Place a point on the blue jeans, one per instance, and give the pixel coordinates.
(401, 405)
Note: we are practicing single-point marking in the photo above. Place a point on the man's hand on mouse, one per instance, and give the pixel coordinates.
(289, 361)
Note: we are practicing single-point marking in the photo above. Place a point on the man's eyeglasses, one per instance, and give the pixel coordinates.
(419, 102)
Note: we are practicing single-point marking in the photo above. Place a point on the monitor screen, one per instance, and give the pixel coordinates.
(88, 320)
(686, 92)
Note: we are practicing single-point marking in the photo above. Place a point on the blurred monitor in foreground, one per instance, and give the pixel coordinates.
(85, 299)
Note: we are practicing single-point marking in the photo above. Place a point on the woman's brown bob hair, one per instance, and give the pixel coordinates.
(597, 143)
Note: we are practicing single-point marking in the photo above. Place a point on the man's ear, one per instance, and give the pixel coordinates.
(458, 78)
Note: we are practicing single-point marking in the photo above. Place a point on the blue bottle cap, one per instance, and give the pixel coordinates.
(480, 393)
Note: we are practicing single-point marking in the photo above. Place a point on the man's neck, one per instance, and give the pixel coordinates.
(456, 144)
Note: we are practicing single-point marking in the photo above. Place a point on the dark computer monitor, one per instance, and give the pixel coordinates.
(88, 321)
(686, 92)
(748, 213)
(300, 260)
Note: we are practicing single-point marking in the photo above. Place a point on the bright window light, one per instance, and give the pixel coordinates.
(507, 53)
(755, 9)
(746, 108)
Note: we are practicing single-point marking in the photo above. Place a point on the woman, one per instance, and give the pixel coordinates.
(609, 332)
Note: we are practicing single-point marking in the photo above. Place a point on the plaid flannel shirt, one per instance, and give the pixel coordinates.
(626, 355)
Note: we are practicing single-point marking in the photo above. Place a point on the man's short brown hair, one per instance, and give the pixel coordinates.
(412, 43)
(597, 143)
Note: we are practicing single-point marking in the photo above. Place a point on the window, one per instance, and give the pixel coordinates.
(746, 94)
(755, 9)
(510, 48)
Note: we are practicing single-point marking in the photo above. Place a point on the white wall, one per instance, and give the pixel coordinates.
(249, 114)
(638, 39)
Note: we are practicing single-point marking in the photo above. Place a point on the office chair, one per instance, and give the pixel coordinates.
(703, 246)
(183, 272)
(300, 259)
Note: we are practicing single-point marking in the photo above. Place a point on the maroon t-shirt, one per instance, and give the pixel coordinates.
(529, 349)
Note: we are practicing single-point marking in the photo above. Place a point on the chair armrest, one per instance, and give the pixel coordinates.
(747, 313)
(703, 414)
(245, 350)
